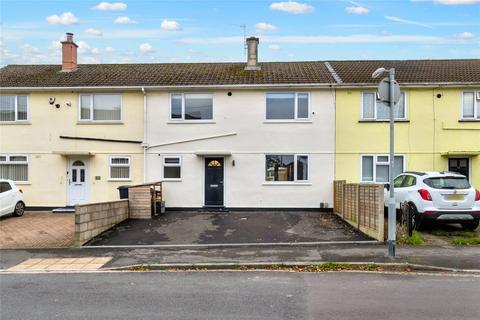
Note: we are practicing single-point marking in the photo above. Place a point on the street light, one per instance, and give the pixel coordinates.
(389, 91)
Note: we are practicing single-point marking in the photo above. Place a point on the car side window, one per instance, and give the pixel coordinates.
(5, 186)
(397, 183)
(409, 181)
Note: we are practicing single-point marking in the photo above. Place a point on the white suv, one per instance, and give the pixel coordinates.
(11, 199)
(441, 196)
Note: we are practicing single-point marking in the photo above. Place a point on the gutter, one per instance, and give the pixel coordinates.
(246, 86)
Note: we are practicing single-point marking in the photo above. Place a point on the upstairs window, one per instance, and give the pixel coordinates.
(13, 108)
(14, 167)
(286, 168)
(100, 107)
(374, 109)
(471, 105)
(191, 106)
(119, 168)
(288, 106)
(375, 168)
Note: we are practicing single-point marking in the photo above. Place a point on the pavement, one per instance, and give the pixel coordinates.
(193, 227)
(238, 295)
(458, 258)
(37, 229)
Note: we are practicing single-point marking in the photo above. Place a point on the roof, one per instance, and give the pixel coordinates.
(466, 71)
(171, 74)
(410, 71)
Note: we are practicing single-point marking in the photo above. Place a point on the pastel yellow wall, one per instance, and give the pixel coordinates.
(433, 128)
(39, 139)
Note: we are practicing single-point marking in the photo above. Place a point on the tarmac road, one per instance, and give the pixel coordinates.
(238, 295)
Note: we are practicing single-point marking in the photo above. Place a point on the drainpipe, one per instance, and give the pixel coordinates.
(145, 140)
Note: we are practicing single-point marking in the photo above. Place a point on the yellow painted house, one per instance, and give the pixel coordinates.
(437, 125)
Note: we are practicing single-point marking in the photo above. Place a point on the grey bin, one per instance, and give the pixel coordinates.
(123, 192)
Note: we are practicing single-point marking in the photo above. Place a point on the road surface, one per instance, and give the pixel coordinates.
(237, 295)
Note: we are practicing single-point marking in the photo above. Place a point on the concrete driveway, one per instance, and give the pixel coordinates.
(176, 228)
(37, 229)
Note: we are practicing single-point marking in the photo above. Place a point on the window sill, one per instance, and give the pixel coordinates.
(119, 180)
(16, 123)
(469, 120)
(191, 122)
(22, 183)
(287, 121)
(381, 121)
(172, 180)
(286, 184)
(99, 122)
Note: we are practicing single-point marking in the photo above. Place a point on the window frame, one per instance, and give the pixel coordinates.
(295, 118)
(295, 173)
(405, 106)
(476, 106)
(16, 108)
(375, 163)
(179, 164)
(129, 165)
(92, 108)
(27, 162)
(182, 119)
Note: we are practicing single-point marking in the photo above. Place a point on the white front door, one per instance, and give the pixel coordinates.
(77, 181)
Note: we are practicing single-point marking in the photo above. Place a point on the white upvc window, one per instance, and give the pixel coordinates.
(120, 167)
(286, 168)
(375, 110)
(14, 167)
(471, 105)
(191, 106)
(100, 107)
(281, 106)
(172, 168)
(375, 167)
(13, 107)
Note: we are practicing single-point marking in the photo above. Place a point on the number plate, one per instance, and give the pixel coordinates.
(454, 197)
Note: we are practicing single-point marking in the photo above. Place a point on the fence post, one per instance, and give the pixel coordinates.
(380, 213)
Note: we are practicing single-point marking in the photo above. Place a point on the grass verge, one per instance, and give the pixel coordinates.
(414, 240)
(466, 241)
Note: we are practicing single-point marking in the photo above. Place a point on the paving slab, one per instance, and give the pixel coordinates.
(191, 227)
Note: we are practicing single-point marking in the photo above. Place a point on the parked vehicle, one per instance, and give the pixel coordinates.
(11, 199)
(438, 196)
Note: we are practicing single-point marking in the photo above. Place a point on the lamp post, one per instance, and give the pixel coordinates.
(389, 91)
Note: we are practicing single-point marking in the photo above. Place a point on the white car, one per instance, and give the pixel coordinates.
(11, 199)
(438, 196)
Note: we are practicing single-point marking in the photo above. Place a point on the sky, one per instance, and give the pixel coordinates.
(199, 31)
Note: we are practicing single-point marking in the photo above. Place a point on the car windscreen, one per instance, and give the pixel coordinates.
(447, 183)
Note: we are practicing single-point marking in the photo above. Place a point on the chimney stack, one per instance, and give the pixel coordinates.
(69, 54)
(252, 51)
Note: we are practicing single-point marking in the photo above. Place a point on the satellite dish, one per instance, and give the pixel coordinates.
(384, 91)
(51, 100)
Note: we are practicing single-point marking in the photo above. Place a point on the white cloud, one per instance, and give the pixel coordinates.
(65, 19)
(292, 7)
(84, 47)
(123, 20)
(55, 45)
(263, 26)
(464, 35)
(109, 49)
(170, 25)
(405, 21)
(93, 32)
(274, 47)
(357, 10)
(110, 6)
(146, 48)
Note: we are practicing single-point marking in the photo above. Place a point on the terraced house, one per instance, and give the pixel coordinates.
(236, 135)
(437, 126)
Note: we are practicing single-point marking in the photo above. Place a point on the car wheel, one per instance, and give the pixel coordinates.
(470, 226)
(415, 218)
(19, 209)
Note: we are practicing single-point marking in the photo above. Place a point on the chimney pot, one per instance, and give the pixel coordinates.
(252, 52)
(69, 54)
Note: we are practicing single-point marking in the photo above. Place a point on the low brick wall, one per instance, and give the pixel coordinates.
(95, 218)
